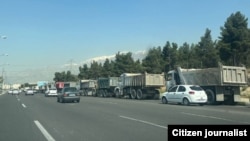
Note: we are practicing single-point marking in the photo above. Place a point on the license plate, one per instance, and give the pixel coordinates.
(72, 95)
(201, 99)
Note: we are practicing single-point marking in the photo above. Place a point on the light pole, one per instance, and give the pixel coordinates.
(2, 79)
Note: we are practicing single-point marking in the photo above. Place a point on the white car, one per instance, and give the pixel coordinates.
(29, 92)
(185, 94)
(15, 92)
(51, 92)
(10, 91)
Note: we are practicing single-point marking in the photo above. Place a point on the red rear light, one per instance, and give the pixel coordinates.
(191, 92)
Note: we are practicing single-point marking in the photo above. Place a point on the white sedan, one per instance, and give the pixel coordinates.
(51, 92)
(15, 92)
(29, 92)
(185, 94)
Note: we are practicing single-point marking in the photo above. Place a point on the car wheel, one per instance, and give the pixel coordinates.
(61, 100)
(186, 102)
(164, 100)
(78, 101)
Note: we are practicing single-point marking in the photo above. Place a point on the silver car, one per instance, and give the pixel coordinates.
(15, 92)
(51, 92)
(29, 92)
(68, 94)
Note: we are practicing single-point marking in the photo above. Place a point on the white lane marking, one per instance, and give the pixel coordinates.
(204, 116)
(142, 121)
(18, 99)
(44, 131)
(24, 106)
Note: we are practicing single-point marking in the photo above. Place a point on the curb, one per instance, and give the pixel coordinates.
(243, 103)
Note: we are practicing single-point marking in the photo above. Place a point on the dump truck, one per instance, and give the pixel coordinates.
(140, 85)
(61, 84)
(88, 87)
(106, 86)
(222, 84)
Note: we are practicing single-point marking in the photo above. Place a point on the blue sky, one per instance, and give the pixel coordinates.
(45, 33)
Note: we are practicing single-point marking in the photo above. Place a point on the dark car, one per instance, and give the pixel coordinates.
(68, 94)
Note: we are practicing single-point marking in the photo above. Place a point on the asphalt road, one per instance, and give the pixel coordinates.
(39, 118)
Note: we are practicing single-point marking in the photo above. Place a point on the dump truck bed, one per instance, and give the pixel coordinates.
(144, 80)
(107, 82)
(223, 75)
(88, 83)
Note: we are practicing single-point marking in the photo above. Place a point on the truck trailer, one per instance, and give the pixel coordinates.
(140, 85)
(106, 86)
(222, 84)
(88, 87)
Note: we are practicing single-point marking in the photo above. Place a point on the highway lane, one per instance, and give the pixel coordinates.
(101, 119)
(15, 124)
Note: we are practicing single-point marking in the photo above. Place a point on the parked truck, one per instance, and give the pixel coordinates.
(140, 85)
(88, 87)
(106, 86)
(222, 84)
(61, 84)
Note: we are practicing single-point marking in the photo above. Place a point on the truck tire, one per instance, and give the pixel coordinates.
(210, 96)
(101, 93)
(117, 94)
(156, 95)
(105, 93)
(133, 94)
(85, 93)
(93, 92)
(139, 94)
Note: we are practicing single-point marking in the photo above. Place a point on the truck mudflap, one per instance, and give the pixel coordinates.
(237, 98)
(219, 97)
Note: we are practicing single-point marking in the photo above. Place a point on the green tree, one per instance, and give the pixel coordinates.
(95, 70)
(108, 67)
(124, 63)
(184, 54)
(83, 72)
(153, 62)
(207, 52)
(64, 76)
(59, 76)
(234, 41)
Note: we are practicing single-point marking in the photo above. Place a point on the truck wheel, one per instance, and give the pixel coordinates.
(117, 95)
(93, 93)
(210, 97)
(139, 94)
(105, 93)
(133, 94)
